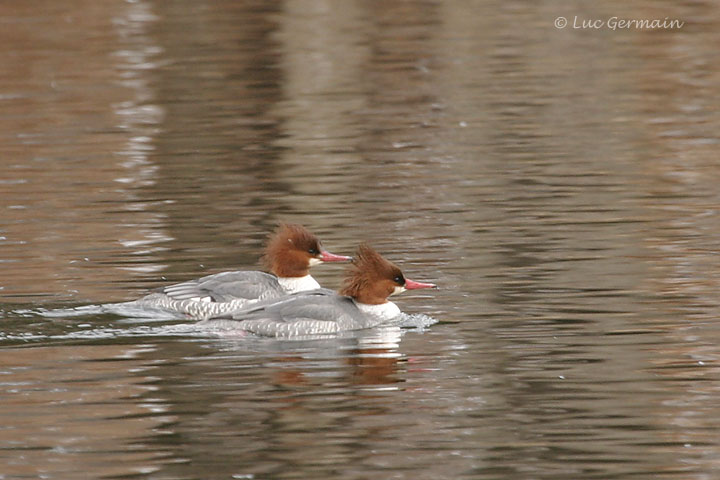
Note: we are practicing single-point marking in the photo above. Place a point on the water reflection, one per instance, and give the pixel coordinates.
(65, 407)
(262, 406)
(70, 164)
(140, 117)
(559, 185)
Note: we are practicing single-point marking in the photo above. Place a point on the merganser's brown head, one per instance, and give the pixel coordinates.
(371, 279)
(292, 249)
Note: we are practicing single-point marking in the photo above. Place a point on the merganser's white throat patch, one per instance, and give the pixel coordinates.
(384, 311)
(397, 290)
(315, 261)
(298, 284)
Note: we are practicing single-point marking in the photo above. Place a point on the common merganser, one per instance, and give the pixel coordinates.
(361, 303)
(290, 252)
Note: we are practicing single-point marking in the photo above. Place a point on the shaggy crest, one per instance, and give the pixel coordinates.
(288, 250)
(370, 277)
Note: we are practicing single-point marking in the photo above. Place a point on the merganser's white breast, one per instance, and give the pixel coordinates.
(298, 284)
(384, 311)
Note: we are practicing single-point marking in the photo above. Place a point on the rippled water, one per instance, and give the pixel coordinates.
(560, 185)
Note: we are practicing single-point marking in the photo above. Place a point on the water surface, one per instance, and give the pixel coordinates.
(560, 185)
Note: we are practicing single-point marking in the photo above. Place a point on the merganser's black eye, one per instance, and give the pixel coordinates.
(399, 279)
(313, 251)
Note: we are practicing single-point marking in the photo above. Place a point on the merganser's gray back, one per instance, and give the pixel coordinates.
(315, 312)
(214, 295)
(226, 286)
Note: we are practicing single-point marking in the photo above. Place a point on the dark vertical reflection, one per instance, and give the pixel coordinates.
(220, 64)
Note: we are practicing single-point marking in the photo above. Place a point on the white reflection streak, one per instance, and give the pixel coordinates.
(141, 119)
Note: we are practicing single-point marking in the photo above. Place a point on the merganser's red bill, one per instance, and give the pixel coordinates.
(412, 285)
(326, 256)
